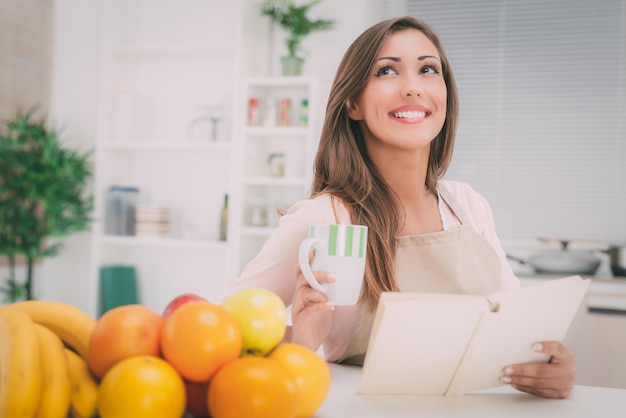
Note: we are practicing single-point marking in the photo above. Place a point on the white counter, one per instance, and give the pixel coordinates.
(584, 401)
(605, 293)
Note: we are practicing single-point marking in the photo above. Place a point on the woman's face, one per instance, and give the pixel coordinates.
(403, 104)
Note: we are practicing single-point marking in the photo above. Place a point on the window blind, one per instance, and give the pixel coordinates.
(542, 131)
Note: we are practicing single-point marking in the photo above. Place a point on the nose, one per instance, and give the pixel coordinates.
(414, 92)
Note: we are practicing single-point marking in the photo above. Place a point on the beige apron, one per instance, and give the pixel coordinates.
(458, 260)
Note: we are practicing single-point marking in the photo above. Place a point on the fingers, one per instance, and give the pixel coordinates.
(306, 297)
(553, 379)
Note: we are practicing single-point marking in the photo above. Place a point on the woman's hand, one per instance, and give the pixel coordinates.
(311, 313)
(554, 379)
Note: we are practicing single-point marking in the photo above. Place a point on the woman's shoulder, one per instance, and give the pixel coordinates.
(322, 208)
(463, 192)
(476, 208)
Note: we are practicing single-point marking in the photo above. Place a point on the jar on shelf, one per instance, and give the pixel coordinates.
(271, 113)
(254, 112)
(303, 115)
(284, 113)
(257, 212)
(276, 164)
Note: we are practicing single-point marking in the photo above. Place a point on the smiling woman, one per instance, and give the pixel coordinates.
(542, 123)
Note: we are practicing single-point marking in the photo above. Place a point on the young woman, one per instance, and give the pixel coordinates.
(387, 139)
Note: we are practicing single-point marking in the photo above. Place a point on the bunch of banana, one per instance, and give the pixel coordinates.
(39, 375)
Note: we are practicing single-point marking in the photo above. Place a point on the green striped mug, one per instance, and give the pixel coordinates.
(338, 249)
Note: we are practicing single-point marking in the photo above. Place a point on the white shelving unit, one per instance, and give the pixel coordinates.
(163, 76)
(256, 186)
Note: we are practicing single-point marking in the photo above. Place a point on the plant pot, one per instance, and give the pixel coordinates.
(291, 66)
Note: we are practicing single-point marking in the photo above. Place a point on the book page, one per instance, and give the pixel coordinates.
(534, 313)
(417, 342)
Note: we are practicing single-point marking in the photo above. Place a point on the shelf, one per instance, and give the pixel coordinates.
(256, 231)
(135, 241)
(277, 130)
(265, 82)
(156, 50)
(274, 181)
(168, 146)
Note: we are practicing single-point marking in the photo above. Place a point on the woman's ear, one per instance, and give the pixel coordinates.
(353, 111)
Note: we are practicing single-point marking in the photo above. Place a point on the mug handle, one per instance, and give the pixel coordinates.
(303, 260)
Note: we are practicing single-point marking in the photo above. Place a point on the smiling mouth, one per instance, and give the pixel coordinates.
(409, 115)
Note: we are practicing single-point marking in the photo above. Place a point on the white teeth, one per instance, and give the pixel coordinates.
(410, 115)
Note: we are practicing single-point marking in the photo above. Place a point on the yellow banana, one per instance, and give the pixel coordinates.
(54, 401)
(20, 365)
(71, 324)
(84, 397)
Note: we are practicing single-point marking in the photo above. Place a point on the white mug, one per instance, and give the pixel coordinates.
(338, 249)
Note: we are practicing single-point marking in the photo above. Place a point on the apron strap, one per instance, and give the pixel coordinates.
(454, 204)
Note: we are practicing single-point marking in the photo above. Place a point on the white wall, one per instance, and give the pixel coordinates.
(75, 83)
(73, 105)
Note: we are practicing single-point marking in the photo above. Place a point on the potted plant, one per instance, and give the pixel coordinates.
(42, 195)
(293, 19)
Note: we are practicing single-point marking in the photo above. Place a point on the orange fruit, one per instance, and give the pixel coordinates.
(253, 387)
(122, 332)
(141, 386)
(311, 373)
(198, 338)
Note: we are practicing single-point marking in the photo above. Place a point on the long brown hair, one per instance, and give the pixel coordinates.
(343, 168)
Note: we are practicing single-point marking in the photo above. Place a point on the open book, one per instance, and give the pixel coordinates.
(451, 344)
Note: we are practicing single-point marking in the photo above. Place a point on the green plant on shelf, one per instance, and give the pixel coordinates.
(294, 21)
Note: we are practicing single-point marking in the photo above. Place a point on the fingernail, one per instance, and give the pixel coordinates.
(538, 347)
(331, 277)
(331, 305)
(508, 370)
(505, 379)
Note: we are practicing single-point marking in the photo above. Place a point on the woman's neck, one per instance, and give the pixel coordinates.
(417, 206)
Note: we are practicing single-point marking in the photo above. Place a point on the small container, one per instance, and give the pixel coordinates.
(271, 113)
(120, 211)
(284, 114)
(258, 212)
(303, 115)
(276, 164)
(254, 112)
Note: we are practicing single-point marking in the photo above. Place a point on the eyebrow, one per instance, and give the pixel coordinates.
(397, 59)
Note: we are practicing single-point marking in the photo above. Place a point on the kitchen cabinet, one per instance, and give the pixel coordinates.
(165, 100)
(278, 135)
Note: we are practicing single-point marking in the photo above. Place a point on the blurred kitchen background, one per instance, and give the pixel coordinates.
(159, 91)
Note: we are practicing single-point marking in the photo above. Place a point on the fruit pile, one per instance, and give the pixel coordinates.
(197, 357)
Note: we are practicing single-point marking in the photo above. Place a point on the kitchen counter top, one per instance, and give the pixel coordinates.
(606, 294)
(584, 401)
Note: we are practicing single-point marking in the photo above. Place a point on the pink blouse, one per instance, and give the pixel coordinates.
(274, 267)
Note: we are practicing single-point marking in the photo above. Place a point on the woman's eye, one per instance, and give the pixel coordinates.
(385, 71)
(429, 69)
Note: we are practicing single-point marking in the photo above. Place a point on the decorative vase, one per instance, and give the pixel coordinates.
(291, 65)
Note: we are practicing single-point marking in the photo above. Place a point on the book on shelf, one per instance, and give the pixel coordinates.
(452, 344)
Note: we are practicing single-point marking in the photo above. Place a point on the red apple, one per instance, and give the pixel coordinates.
(197, 398)
(179, 301)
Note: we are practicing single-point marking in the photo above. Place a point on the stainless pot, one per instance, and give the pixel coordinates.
(617, 257)
(563, 261)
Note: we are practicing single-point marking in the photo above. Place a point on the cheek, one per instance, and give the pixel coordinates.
(440, 95)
